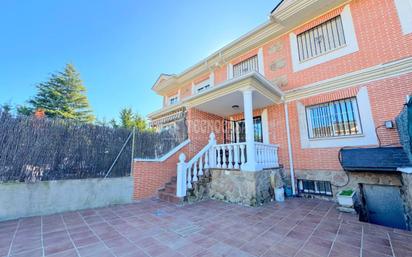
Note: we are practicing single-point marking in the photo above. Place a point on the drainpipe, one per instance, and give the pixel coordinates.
(292, 172)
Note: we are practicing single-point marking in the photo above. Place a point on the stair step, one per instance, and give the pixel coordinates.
(170, 189)
(169, 197)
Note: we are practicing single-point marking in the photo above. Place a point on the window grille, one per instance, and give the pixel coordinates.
(246, 66)
(337, 118)
(315, 187)
(321, 39)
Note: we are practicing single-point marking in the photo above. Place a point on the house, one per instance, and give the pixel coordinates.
(284, 99)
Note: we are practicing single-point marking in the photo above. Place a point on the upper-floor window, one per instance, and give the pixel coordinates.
(404, 8)
(332, 119)
(201, 87)
(173, 100)
(246, 66)
(321, 39)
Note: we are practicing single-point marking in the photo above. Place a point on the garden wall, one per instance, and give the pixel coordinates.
(48, 197)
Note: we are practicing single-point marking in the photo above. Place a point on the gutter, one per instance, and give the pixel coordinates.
(291, 166)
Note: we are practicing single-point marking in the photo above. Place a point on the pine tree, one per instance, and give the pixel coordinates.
(63, 96)
(130, 120)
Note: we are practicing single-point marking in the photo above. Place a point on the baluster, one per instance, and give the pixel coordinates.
(230, 148)
(236, 154)
(200, 166)
(189, 177)
(219, 160)
(224, 157)
(195, 171)
(242, 154)
(207, 160)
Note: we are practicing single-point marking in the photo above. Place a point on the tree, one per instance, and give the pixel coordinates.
(62, 96)
(24, 110)
(128, 119)
(6, 108)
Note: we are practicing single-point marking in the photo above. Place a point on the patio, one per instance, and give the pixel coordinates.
(299, 227)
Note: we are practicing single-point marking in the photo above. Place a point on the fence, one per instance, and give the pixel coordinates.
(34, 149)
(404, 125)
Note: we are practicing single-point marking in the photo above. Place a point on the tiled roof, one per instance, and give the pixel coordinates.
(373, 159)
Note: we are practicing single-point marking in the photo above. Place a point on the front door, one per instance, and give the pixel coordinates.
(235, 131)
(384, 205)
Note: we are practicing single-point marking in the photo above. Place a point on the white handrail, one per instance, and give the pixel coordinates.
(190, 172)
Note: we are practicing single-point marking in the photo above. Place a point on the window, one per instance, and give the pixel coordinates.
(337, 118)
(404, 8)
(246, 66)
(321, 39)
(315, 187)
(173, 100)
(203, 86)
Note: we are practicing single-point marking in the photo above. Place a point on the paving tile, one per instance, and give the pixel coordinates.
(301, 227)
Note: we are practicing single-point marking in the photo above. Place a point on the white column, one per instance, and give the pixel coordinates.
(250, 164)
(181, 176)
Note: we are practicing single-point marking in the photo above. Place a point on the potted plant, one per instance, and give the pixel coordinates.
(346, 197)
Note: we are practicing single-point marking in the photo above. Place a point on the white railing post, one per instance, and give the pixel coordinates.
(212, 150)
(181, 176)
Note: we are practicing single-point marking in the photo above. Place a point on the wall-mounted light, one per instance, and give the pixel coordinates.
(235, 107)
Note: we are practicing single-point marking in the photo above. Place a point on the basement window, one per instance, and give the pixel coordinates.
(315, 187)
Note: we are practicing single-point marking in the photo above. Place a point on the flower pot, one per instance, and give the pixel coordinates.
(346, 198)
(280, 194)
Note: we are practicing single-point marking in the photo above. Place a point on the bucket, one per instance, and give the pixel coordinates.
(280, 194)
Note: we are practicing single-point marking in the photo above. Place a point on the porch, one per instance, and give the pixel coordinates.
(245, 144)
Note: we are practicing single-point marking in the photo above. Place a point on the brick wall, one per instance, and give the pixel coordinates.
(149, 177)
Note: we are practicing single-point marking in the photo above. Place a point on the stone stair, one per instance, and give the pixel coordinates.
(168, 193)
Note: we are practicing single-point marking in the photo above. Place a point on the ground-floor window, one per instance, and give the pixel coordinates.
(333, 119)
(315, 187)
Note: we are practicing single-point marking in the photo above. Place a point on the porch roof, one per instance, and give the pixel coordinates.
(220, 98)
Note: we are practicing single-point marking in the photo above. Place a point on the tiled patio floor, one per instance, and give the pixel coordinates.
(298, 227)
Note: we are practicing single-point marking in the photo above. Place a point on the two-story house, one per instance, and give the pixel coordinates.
(317, 77)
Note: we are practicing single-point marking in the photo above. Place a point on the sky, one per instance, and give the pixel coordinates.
(119, 46)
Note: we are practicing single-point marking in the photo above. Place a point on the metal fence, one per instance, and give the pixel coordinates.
(34, 149)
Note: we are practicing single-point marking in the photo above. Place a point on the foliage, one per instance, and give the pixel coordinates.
(128, 119)
(6, 108)
(62, 96)
(347, 192)
(24, 110)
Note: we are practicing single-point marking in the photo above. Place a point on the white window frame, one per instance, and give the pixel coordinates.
(170, 98)
(356, 117)
(368, 136)
(200, 87)
(404, 8)
(260, 62)
(350, 47)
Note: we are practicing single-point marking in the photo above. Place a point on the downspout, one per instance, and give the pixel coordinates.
(292, 172)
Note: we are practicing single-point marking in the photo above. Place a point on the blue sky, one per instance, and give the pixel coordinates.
(119, 47)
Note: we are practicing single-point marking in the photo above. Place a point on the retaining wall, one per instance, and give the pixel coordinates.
(48, 197)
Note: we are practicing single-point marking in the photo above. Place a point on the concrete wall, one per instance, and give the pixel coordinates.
(48, 197)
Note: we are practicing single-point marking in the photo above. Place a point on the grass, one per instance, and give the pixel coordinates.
(347, 192)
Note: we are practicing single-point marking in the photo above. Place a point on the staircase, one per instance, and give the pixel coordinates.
(168, 193)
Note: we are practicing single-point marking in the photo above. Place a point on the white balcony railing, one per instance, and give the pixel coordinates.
(225, 156)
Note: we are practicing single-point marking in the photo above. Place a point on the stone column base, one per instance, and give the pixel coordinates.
(242, 187)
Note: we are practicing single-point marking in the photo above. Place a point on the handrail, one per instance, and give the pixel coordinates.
(186, 175)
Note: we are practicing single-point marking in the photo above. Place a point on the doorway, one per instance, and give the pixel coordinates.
(383, 205)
